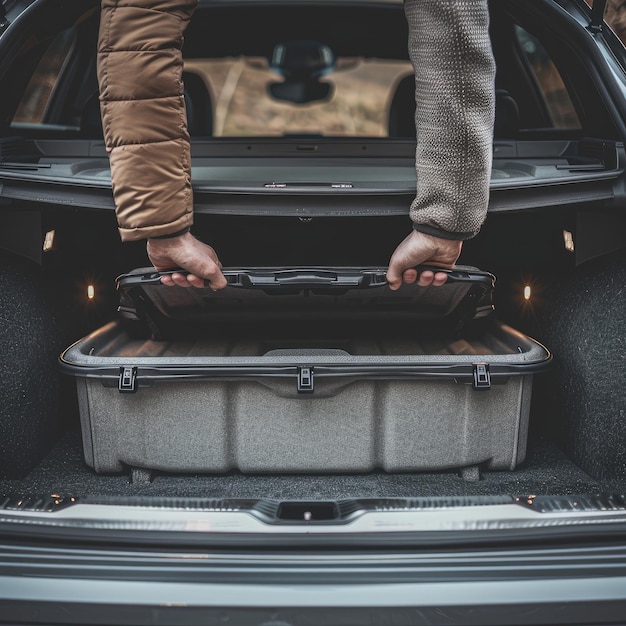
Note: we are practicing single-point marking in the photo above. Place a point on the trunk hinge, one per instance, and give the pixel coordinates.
(305, 380)
(127, 382)
(597, 16)
(482, 377)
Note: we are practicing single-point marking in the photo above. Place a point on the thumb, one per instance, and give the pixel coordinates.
(394, 273)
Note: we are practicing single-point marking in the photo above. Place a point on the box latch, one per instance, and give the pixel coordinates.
(127, 382)
(305, 380)
(482, 377)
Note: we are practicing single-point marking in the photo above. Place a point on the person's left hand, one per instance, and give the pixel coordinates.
(421, 249)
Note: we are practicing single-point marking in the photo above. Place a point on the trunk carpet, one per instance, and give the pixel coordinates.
(545, 471)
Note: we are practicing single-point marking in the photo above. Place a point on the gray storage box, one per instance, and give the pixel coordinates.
(323, 395)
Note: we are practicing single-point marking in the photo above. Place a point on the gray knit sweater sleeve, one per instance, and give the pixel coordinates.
(450, 49)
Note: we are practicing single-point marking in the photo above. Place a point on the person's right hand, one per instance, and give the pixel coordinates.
(421, 249)
(187, 253)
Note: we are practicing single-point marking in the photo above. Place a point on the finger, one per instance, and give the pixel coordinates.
(426, 278)
(195, 281)
(409, 276)
(218, 281)
(180, 279)
(167, 280)
(212, 274)
(439, 279)
(393, 282)
(394, 278)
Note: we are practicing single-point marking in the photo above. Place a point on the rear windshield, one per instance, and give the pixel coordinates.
(361, 87)
(353, 102)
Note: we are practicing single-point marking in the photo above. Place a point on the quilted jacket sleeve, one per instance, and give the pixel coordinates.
(143, 114)
(451, 52)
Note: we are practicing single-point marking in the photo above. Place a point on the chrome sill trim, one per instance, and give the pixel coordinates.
(459, 519)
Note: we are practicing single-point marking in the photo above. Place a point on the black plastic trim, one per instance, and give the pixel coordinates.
(459, 373)
(574, 612)
(311, 277)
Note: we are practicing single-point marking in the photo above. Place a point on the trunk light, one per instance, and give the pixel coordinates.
(48, 241)
(91, 292)
(527, 292)
(568, 240)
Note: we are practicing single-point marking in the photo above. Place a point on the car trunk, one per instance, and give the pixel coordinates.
(575, 430)
(291, 204)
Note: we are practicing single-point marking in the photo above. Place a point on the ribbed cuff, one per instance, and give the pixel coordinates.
(433, 231)
(172, 235)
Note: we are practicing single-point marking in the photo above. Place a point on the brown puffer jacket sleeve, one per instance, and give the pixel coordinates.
(451, 52)
(143, 114)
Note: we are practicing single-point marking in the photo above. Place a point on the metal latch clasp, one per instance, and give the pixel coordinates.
(127, 382)
(305, 380)
(482, 377)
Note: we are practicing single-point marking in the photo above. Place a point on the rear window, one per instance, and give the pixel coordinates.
(39, 92)
(552, 89)
(357, 103)
(243, 96)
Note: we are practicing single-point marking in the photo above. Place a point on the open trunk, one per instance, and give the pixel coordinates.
(559, 459)
(575, 432)
(165, 458)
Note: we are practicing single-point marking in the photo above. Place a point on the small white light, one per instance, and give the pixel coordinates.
(527, 292)
(48, 241)
(568, 240)
(91, 292)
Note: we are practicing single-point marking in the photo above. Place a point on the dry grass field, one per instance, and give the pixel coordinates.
(242, 106)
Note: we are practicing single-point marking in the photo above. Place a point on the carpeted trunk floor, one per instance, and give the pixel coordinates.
(546, 470)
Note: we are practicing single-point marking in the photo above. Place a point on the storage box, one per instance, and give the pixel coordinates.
(382, 383)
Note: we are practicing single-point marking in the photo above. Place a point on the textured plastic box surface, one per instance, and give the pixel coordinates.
(223, 403)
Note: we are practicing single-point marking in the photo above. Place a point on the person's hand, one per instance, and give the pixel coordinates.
(187, 253)
(419, 249)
